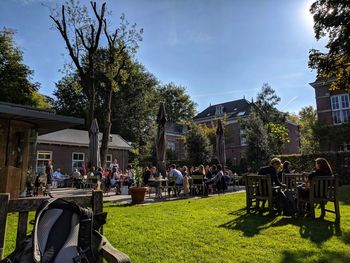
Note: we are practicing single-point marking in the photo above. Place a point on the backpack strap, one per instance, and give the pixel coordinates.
(41, 209)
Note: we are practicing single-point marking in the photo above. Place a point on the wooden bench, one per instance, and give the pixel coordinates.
(258, 188)
(25, 205)
(322, 189)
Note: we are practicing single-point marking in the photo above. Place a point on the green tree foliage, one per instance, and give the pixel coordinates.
(331, 21)
(70, 100)
(258, 147)
(198, 148)
(266, 102)
(134, 106)
(278, 136)
(15, 77)
(178, 105)
(308, 122)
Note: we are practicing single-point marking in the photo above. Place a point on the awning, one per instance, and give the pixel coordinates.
(45, 121)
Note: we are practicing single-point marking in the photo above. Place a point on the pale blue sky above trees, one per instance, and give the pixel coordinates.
(220, 50)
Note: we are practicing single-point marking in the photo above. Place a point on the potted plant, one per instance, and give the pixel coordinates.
(137, 191)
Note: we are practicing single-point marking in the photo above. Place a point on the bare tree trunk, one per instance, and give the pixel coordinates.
(107, 127)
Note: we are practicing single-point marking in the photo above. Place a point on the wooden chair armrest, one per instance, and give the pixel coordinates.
(111, 254)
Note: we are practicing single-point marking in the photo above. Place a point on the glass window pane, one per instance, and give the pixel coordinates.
(346, 116)
(336, 117)
(345, 101)
(335, 102)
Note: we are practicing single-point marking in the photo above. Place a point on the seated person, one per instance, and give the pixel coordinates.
(322, 168)
(99, 172)
(146, 175)
(58, 178)
(179, 177)
(156, 184)
(115, 178)
(272, 170)
(217, 178)
(77, 178)
(130, 174)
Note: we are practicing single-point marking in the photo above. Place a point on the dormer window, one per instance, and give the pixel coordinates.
(219, 110)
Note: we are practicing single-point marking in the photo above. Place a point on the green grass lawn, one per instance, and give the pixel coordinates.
(217, 229)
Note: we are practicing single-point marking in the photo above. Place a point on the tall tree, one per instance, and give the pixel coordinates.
(178, 105)
(198, 148)
(256, 134)
(308, 122)
(332, 21)
(273, 119)
(15, 77)
(266, 102)
(82, 36)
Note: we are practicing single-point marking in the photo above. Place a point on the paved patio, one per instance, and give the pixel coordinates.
(112, 197)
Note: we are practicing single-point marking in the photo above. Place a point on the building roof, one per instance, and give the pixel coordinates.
(236, 108)
(80, 138)
(176, 128)
(45, 121)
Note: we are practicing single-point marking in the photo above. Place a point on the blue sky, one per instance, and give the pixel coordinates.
(220, 50)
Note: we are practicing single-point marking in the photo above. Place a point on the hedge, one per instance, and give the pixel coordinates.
(339, 161)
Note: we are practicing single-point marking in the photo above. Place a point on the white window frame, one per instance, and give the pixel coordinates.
(340, 108)
(219, 110)
(242, 138)
(108, 163)
(77, 160)
(42, 170)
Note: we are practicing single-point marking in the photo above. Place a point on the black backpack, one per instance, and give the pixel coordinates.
(287, 203)
(63, 232)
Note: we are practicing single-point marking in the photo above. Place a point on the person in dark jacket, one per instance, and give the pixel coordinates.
(272, 170)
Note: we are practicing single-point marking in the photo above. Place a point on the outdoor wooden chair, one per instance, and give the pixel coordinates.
(292, 180)
(323, 189)
(172, 186)
(197, 184)
(258, 188)
(25, 205)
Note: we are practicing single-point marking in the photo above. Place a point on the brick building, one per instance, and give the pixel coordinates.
(333, 109)
(234, 135)
(174, 133)
(69, 149)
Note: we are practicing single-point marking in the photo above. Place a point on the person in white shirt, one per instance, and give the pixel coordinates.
(179, 177)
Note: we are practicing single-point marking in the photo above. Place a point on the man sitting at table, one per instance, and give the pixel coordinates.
(58, 178)
(179, 178)
(273, 170)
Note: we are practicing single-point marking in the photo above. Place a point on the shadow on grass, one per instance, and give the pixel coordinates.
(316, 230)
(344, 196)
(301, 256)
(249, 224)
(346, 238)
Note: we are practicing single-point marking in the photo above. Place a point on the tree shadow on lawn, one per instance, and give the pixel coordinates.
(301, 256)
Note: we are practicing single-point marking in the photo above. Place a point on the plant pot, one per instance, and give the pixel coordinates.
(137, 194)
